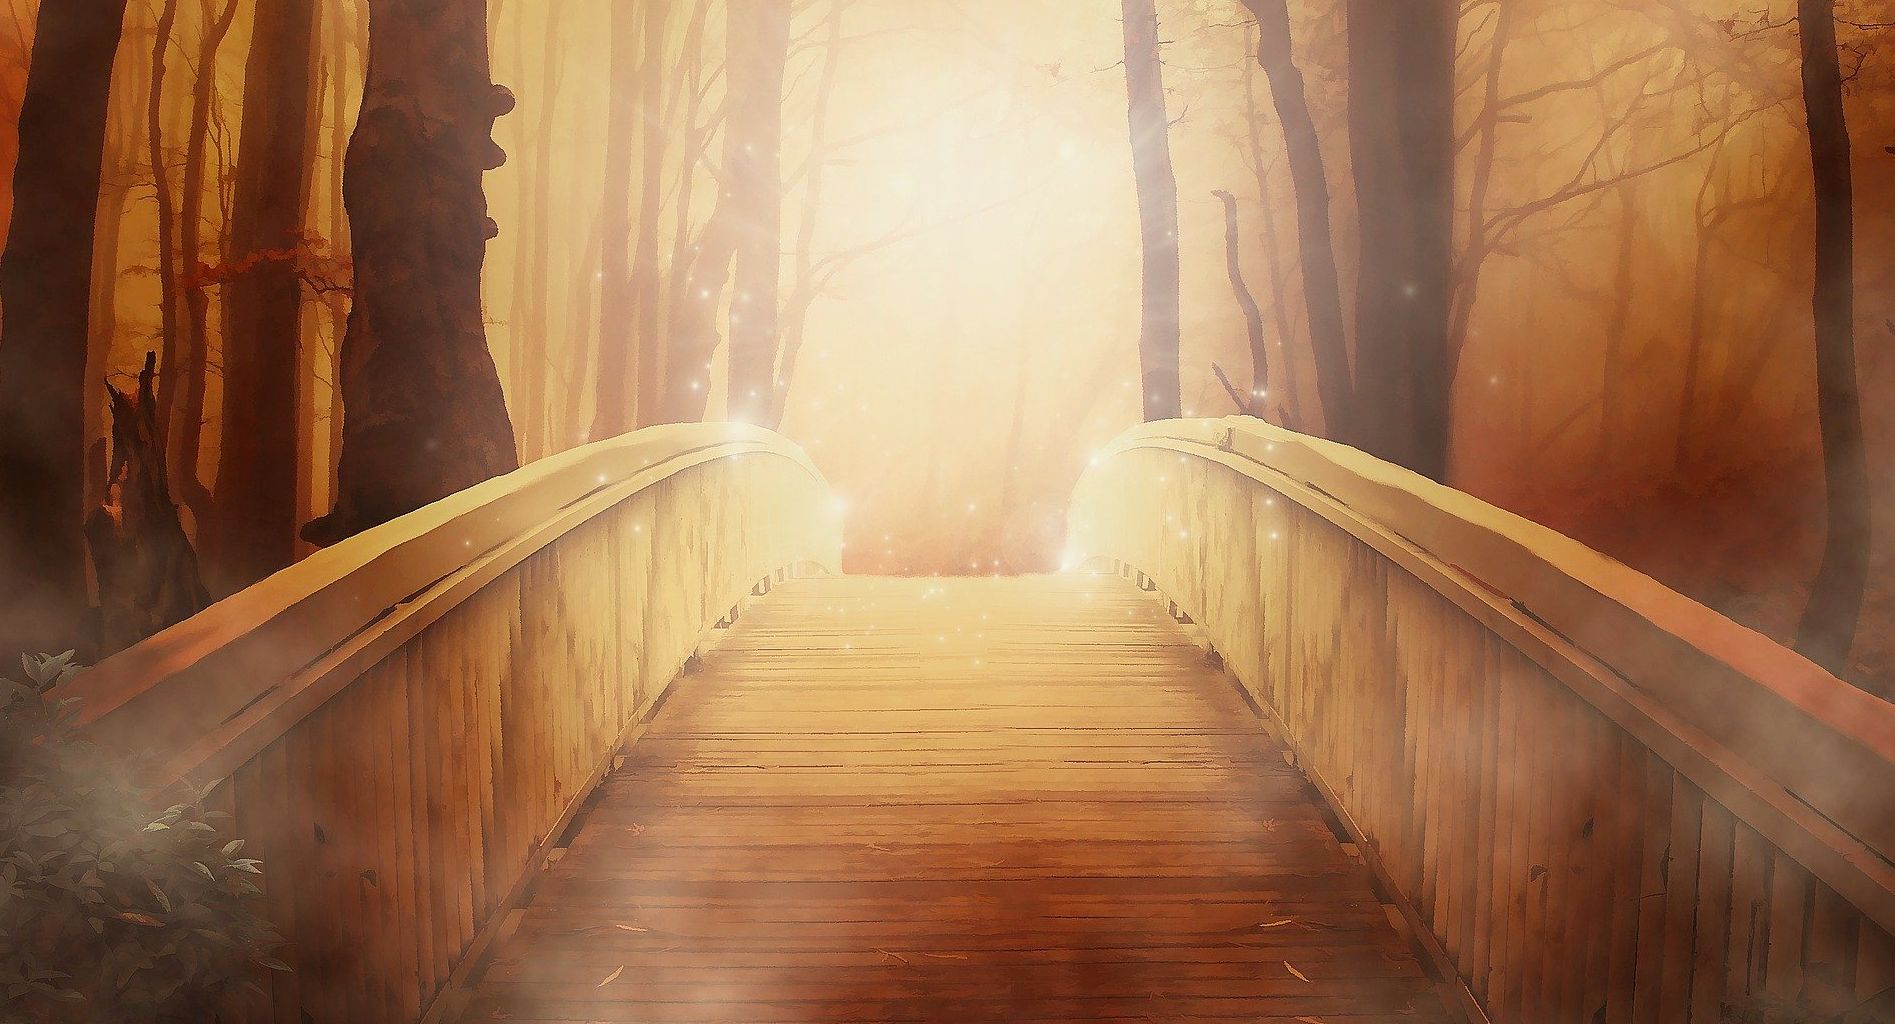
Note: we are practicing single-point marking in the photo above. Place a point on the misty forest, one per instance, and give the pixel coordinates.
(1594, 298)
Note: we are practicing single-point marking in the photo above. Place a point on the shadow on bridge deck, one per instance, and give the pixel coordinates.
(944, 800)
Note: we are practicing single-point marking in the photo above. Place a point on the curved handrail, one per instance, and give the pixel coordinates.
(207, 694)
(1804, 757)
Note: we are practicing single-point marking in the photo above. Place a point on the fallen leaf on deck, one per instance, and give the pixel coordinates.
(630, 928)
(1277, 924)
(610, 978)
(1304, 978)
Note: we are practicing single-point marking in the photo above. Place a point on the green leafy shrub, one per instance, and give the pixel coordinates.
(111, 909)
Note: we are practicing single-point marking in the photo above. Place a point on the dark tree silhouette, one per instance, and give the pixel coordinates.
(147, 571)
(1321, 291)
(258, 451)
(424, 413)
(45, 288)
(1158, 336)
(1253, 403)
(1827, 632)
(1402, 143)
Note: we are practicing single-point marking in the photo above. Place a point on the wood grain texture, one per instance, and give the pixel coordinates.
(944, 800)
(1581, 849)
(455, 684)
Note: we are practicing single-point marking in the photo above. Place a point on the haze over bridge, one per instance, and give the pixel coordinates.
(1302, 737)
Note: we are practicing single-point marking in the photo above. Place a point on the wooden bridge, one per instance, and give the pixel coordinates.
(1305, 739)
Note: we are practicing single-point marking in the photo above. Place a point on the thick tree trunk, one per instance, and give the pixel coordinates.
(45, 289)
(147, 572)
(618, 306)
(1401, 134)
(425, 416)
(758, 183)
(1247, 302)
(259, 454)
(1321, 291)
(1158, 336)
(1828, 629)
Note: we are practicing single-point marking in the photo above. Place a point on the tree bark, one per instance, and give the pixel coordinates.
(1322, 292)
(1159, 332)
(425, 416)
(1253, 314)
(756, 170)
(45, 289)
(1827, 632)
(1401, 135)
(259, 454)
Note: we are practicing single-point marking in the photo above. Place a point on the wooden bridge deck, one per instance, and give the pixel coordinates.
(950, 800)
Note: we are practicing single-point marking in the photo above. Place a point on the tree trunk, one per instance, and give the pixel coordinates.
(531, 354)
(170, 341)
(259, 455)
(45, 279)
(1158, 336)
(1401, 136)
(1292, 403)
(758, 183)
(693, 339)
(1321, 291)
(1253, 314)
(618, 306)
(425, 416)
(645, 283)
(1827, 632)
(795, 317)
(147, 572)
(187, 428)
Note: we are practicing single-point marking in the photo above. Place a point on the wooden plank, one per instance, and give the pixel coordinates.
(1071, 867)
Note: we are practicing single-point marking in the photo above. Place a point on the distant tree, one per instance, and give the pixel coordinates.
(1322, 292)
(1251, 404)
(258, 454)
(756, 48)
(45, 288)
(192, 353)
(530, 354)
(1827, 632)
(1158, 336)
(1402, 145)
(756, 172)
(424, 413)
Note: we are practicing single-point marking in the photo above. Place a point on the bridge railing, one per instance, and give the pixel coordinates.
(1597, 799)
(405, 721)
